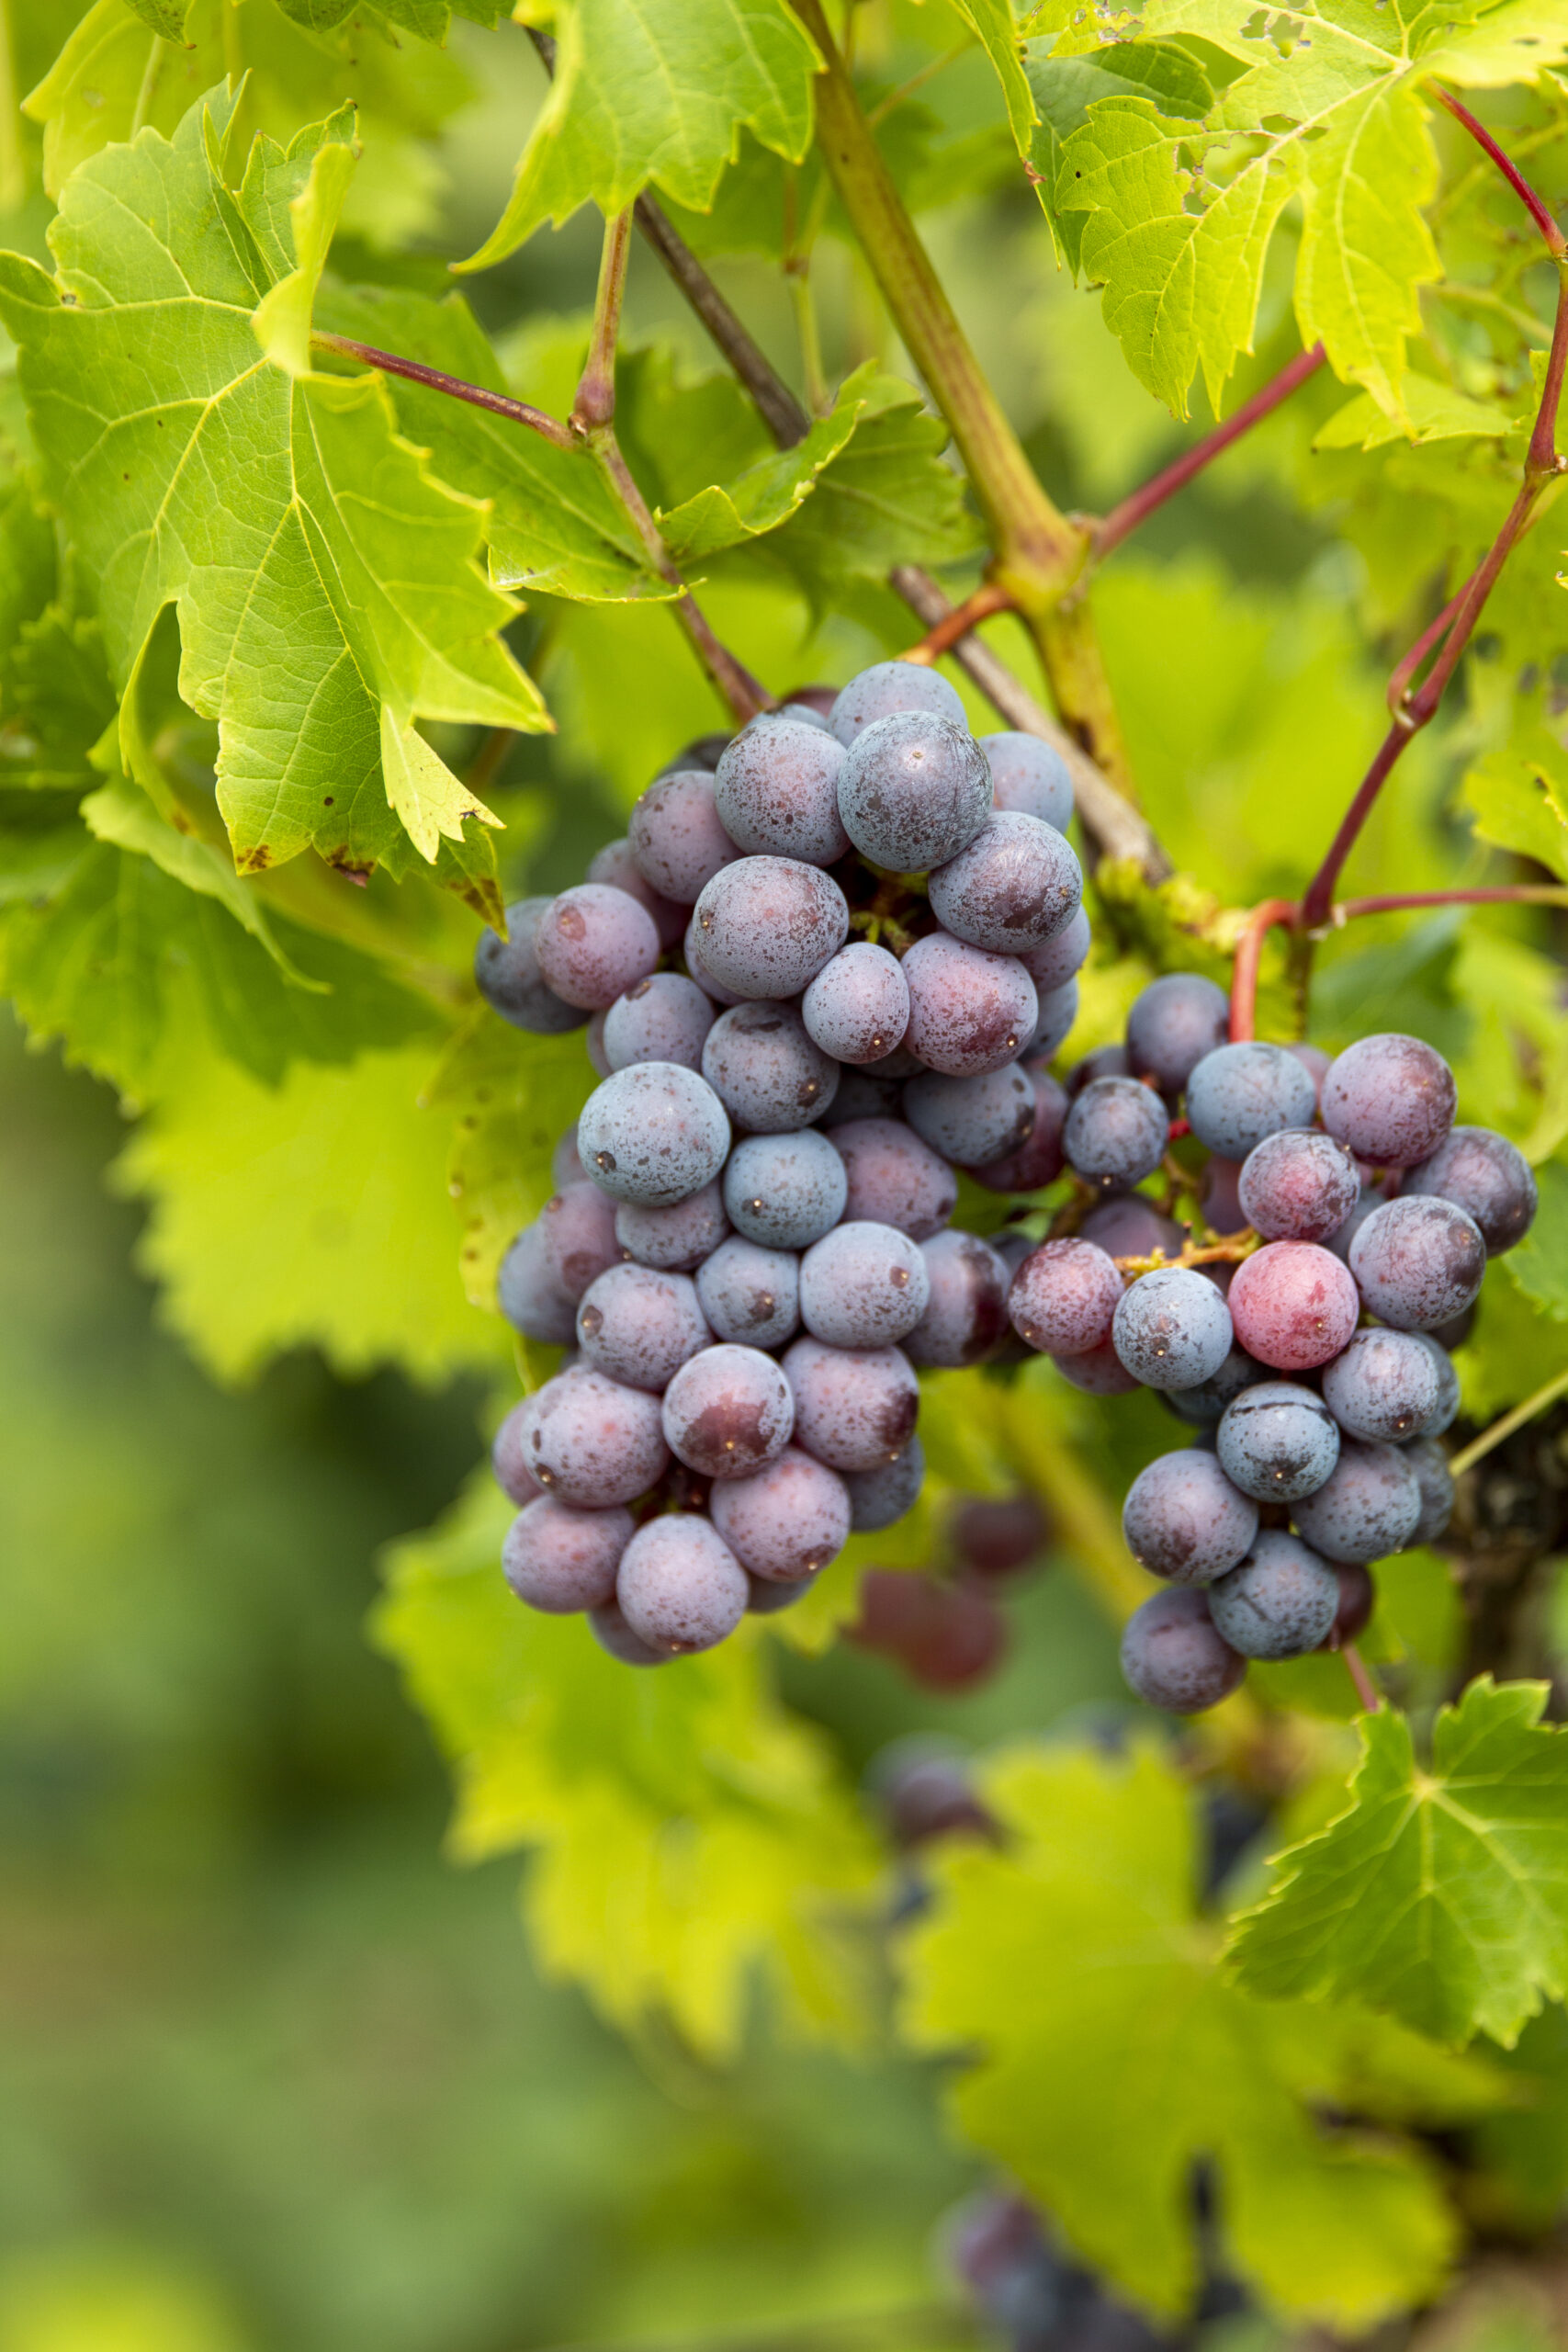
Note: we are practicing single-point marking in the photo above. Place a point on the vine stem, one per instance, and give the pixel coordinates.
(1468, 1457)
(1556, 244)
(1517, 894)
(944, 634)
(595, 401)
(1249, 956)
(1367, 1689)
(435, 379)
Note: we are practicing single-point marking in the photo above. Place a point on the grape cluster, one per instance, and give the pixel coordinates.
(829, 963)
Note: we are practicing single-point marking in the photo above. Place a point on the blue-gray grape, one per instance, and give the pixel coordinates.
(852, 1410)
(1185, 1520)
(880, 1496)
(1174, 1657)
(512, 1475)
(1028, 774)
(776, 790)
(1280, 1602)
(1129, 1225)
(1430, 1465)
(857, 1008)
(766, 1071)
(1172, 1024)
(972, 1121)
(1384, 1386)
(675, 1239)
(1106, 1061)
(862, 1286)
(966, 1312)
(529, 1296)
(969, 1011)
(615, 1637)
(750, 1295)
(653, 1134)
(1013, 886)
(638, 1326)
(577, 1238)
(615, 864)
(786, 1522)
(1171, 1328)
(1116, 1132)
(1037, 1160)
(1278, 1442)
(1368, 1506)
(1486, 1176)
(1391, 1099)
(1064, 1298)
(1059, 1008)
(562, 1560)
(592, 1443)
(1059, 958)
(1418, 1260)
(784, 1192)
(680, 1587)
(594, 942)
(728, 1412)
(889, 686)
(892, 1178)
(1445, 1412)
(1238, 1094)
(678, 840)
(1298, 1186)
(913, 791)
(665, 1018)
(767, 925)
(507, 975)
(1204, 1405)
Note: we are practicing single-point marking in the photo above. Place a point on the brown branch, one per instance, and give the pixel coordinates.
(944, 634)
(436, 380)
(595, 401)
(1229, 1250)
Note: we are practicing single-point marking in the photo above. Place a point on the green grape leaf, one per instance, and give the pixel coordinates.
(1513, 1351)
(1065, 82)
(887, 499)
(43, 843)
(1539, 1264)
(1068, 1964)
(1441, 1893)
(1433, 411)
(56, 699)
(325, 583)
(659, 93)
(992, 25)
(768, 493)
(1518, 793)
(687, 1833)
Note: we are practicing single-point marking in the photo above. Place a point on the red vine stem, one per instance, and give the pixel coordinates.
(1430, 638)
(436, 380)
(1522, 894)
(1249, 956)
(958, 623)
(1556, 244)
(1366, 1688)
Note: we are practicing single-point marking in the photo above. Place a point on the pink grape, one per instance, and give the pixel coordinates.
(639, 1326)
(1293, 1304)
(681, 1588)
(1064, 1296)
(728, 1412)
(561, 1560)
(1298, 1186)
(851, 1411)
(594, 942)
(576, 1232)
(969, 1011)
(678, 840)
(785, 1522)
(893, 1177)
(617, 865)
(592, 1443)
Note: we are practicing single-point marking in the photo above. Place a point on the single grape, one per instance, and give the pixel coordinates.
(925, 1792)
(1203, 1405)
(1313, 1061)
(562, 1560)
(1106, 1061)
(1174, 1022)
(1037, 1161)
(945, 1636)
(861, 1096)
(1391, 1099)
(1058, 1010)
(1293, 1304)
(913, 791)
(1064, 1298)
(1219, 1195)
(767, 925)
(1277, 1441)
(681, 1588)
(592, 1443)
(972, 1120)
(1280, 1602)
(1238, 1094)
(678, 840)
(512, 1474)
(598, 1053)
(611, 1631)
(811, 705)
(785, 1522)
(750, 1295)
(1129, 1225)
(766, 1071)
(996, 1536)
(776, 790)
(1435, 1482)
(1298, 1186)
(615, 865)
(892, 1178)
(702, 755)
(639, 1326)
(1098, 1371)
(675, 1239)
(862, 1286)
(663, 1019)
(594, 942)
(857, 1008)
(1486, 1176)
(507, 975)
(966, 1311)
(1059, 958)
(1171, 1328)
(1370, 1197)
(1385, 1385)
(1116, 1132)
(566, 1165)
(1368, 1506)
(784, 1192)
(728, 1412)
(1028, 774)
(1173, 1656)
(1445, 1412)
(1418, 1260)
(888, 686)
(1015, 886)
(653, 1134)
(766, 1596)
(691, 948)
(969, 1011)
(529, 1296)
(853, 1411)
(1184, 1520)
(1358, 1597)
(881, 1496)
(577, 1233)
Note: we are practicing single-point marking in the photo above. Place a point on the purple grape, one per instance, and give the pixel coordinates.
(1028, 774)
(1314, 1061)
(913, 791)
(663, 1019)
(1385, 1385)
(1173, 1024)
(701, 755)
(1298, 1186)
(1171, 1328)
(1391, 1099)
(766, 1596)
(968, 1012)
(996, 1536)
(888, 686)
(1116, 1132)
(562, 1560)
(1064, 1298)
(1106, 1061)
(879, 1498)
(972, 1120)
(507, 975)
(1445, 1412)
(577, 1237)
(639, 1327)
(512, 1475)
(678, 840)
(861, 1096)
(592, 1443)
(691, 948)
(675, 1239)
(789, 1520)
(611, 1631)
(1184, 1520)
(1417, 1261)
(653, 1134)
(728, 1412)
(1059, 958)
(1131, 1226)
(1293, 1304)
(1277, 1441)
(1059, 1008)
(1174, 1658)
(1238, 1094)
(529, 1296)
(1282, 1600)
(1037, 1161)
(1486, 1176)
(1015, 886)
(766, 1071)
(853, 1411)
(1205, 1404)
(767, 925)
(776, 790)
(566, 1167)
(1098, 1371)
(966, 1310)
(598, 1053)
(1369, 1505)
(857, 1008)
(1435, 1482)
(1219, 1196)
(594, 942)
(784, 1192)
(615, 865)
(892, 1178)
(750, 1295)
(1370, 1197)
(681, 1588)
(862, 1286)
(1357, 1597)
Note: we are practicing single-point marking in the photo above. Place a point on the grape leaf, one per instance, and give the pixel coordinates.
(992, 23)
(326, 583)
(688, 1834)
(1068, 1965)
(1525, 811)
(1433, 411)
(1440, 1894)
(773, 490)
(887, 499)
(1539, 1264)
(656, 92)
(1066, 81)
